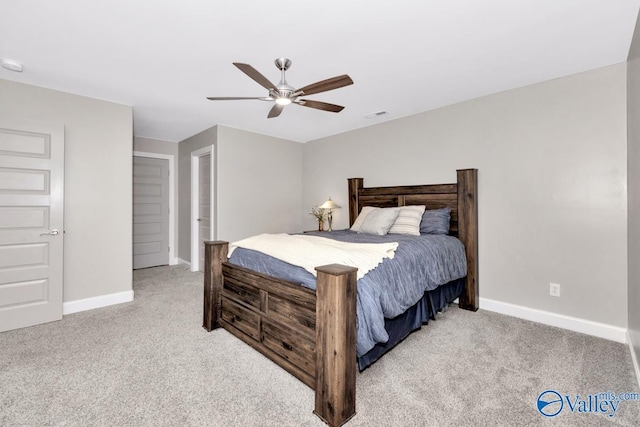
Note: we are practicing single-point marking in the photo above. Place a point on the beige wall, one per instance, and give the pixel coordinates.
(257, 185)
(633, 182)
(203, 139)
(98, 184)
(155, 146)
(552, 185)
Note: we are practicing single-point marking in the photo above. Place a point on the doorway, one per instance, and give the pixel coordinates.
(202, 206)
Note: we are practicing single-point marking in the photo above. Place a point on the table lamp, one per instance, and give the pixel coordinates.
(329, 204)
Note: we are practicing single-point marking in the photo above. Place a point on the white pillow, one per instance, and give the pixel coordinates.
(363, 214)
(379, 221)
(408, 221)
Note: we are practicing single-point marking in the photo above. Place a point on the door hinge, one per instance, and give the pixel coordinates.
(169, 249)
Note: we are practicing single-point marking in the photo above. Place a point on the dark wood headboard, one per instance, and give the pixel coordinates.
(461, 197)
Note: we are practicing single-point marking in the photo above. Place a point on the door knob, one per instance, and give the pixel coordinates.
(53, 232)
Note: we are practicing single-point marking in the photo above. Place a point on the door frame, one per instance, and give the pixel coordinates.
(195, 201)
(173, 260)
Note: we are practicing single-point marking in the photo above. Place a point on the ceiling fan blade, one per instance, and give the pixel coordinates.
(325, 85)
(233, 98)
(320, 105)
(275, 111)
(255, 75)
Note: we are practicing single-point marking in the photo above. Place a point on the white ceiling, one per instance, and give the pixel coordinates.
(164, 57)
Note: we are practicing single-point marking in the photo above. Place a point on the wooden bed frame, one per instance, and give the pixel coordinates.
(312, 334)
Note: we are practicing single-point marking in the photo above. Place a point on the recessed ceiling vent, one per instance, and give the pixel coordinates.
(376, 114)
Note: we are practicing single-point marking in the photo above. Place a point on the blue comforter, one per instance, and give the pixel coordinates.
(421, 263)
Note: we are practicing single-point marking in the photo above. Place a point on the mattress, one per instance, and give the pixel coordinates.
(421, 264)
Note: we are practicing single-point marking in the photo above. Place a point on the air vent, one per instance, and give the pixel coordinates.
(376, 114)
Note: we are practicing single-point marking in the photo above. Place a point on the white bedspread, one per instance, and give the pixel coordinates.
(310, 252)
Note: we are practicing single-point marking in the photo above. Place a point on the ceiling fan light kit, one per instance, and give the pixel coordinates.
(283, 101)
(284, 94)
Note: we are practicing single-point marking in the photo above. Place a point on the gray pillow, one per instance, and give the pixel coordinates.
(363, 214)
(379, 221)
(435, 221)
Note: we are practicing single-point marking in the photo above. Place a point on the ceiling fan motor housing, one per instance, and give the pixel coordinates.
(284, 89)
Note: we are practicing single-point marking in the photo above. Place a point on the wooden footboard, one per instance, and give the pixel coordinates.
(311, 334)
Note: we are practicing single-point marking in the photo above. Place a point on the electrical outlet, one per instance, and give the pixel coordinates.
(554, 289)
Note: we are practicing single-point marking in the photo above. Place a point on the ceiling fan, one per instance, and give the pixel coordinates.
(283, 94)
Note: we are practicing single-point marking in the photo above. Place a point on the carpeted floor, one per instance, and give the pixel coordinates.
(150, 363)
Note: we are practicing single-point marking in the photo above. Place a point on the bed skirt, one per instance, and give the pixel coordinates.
(417, 315)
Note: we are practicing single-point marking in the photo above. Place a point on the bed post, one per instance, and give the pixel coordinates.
(336, 344)
(355, 185)
(468, 233)
(215, 253)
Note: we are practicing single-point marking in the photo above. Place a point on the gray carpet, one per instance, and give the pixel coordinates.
(150, 363)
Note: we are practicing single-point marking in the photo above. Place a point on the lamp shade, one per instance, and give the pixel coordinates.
(329, 204)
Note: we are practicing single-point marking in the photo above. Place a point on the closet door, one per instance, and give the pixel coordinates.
(150, 212)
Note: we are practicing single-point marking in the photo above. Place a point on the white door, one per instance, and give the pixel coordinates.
(31, 223)
(204, 206)
(150, 212)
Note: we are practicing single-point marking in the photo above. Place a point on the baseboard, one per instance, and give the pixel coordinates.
(588, 327)
(634, 359)
(174, 261)
(181, 261)
(96, 302)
